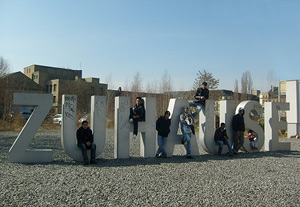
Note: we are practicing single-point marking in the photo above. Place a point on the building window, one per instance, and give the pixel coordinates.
(92, 90)
(54, 99)
(101, 91)
(54, 87)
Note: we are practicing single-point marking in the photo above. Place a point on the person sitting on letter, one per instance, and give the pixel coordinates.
(200, 98)
(222, 138)
(85, 140)
(137, 113)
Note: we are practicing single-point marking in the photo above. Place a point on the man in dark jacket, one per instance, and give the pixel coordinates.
(200, 98)
(85, 140)
(137, 113)
(222, 138)
(163, 129)
(238, 127)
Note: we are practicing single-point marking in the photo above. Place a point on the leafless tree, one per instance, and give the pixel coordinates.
(236, 91)
(166, 85)
(136, 85)
(205, 76)
(152, 87)
(4, 66)
(246, 83)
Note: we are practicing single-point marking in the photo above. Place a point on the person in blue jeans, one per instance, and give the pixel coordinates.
(200, 97)
(85, 140)
(221, 138)
(163, 129)
(186, 122)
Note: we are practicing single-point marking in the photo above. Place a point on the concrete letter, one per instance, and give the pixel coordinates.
(293, 115)
(68, 129)
(123, 128)
(207, 127)
(272, 125)
(255, 108)
(176, 108)
(18, 151)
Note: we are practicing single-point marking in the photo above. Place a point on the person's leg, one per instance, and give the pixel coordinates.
(235, 141)
(93, 151)
(227, 142)
(252, 145)
(187, 139)
(241, 139)
(164, 140)
(220, 143)
(159, 142)
(84, 152)
(198, 106)
(135, 126)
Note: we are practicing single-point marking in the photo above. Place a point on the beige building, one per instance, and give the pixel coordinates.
(59, 81)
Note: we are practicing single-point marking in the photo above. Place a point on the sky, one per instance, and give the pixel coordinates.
(115, 39)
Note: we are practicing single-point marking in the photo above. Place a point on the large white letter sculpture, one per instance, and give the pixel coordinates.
(256, 108)
(123, 128)
(18, 151)
(293, 115)
(68, 130)
(272, 125)
(176, 108)
(207, 127)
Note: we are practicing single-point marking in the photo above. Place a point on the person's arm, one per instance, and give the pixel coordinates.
(216, 135)
(158, 124)
(234, 123)
(181, 119)
(225, 135)
(79, 136)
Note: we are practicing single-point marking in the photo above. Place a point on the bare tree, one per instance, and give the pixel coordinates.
(205, 76)
(152, 87)
(246, 82)
(236, 91)
(166, 85)
(4, 66)
(109, 81)
(136, 85)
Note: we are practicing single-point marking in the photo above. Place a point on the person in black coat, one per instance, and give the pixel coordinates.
(163, 124)
(238, 126)
(200, 98)
(137, 113)
(85, 140)
(221, 138)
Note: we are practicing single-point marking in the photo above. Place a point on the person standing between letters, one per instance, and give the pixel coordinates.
(238, 127)
(186, 123)
(163, 129)
(85, 140)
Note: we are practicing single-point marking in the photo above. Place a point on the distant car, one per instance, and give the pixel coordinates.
(84, 118)
(26, 115)
(57, 119)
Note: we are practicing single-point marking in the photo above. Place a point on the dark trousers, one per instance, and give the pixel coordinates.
(84, 149)
(135, 122)
(238, 140)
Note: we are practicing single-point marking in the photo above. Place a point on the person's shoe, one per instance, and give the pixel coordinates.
(231, 155)
(131, 120)
(85, 162)
(157, 155)
(134, 136)
(235, 152)
(164, 156)
(93, 161)
(182, 140)
(189, 157)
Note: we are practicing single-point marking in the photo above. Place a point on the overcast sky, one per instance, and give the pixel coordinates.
(120, 38)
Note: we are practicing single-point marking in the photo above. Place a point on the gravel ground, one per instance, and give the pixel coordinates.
(249, 179)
